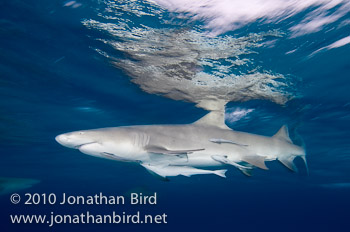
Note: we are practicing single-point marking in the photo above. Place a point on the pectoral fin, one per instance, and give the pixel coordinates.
(114, 157)
(154, 172)
(163, 150)
(256, 160)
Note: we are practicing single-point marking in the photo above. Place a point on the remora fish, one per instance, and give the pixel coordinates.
(171, 150)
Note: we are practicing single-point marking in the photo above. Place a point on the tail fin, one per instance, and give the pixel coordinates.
(302, 144)
(246, 172)
(305, 163)
(295, 151)
(221, 172)
(289, 163)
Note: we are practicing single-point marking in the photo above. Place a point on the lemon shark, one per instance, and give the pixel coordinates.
(202, 147)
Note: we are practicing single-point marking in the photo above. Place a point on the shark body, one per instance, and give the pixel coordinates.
(172, 150)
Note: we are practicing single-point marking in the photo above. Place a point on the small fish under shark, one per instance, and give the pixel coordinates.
(172, 150)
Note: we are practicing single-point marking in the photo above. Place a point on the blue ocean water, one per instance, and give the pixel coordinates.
(54, 80)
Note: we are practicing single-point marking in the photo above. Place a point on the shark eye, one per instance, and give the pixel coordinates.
(81, 133)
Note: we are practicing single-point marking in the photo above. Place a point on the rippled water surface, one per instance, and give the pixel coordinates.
(72, 65)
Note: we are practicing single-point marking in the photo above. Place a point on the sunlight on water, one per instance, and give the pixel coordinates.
(188, 65)
(193, 65)
(225, 15)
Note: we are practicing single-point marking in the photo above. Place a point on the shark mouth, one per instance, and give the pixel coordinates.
(115, 157)
(80, 145)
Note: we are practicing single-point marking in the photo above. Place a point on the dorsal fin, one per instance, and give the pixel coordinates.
(283, 134)
(213, 118)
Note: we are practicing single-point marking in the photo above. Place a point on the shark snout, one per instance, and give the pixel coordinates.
(70, 140)
(74, 140)
(64, 140)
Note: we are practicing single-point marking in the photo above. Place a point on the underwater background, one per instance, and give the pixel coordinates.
(74, 65)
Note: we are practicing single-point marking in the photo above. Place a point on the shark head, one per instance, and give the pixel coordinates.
(115, 144)
(77, 139)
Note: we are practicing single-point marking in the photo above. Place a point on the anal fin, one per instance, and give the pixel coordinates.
(289, 163)
(256, 160)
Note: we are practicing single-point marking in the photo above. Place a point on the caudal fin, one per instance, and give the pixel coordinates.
(305, 163)
(292, 150)
(246, 172)
(221, 172)
(289, 163)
